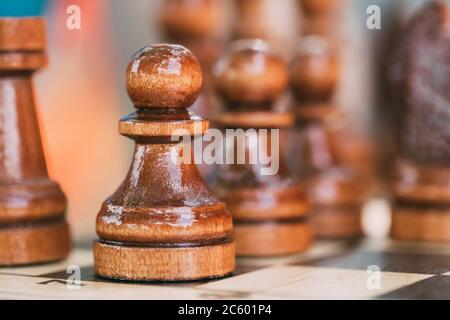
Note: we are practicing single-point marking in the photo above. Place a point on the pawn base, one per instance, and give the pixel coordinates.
(272, 238)
(31, 244)
(122, 262)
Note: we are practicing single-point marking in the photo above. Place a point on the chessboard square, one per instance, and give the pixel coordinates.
(387, 261)
(295, 282)
(433, 288)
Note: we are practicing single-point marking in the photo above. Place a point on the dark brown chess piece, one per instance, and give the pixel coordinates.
(270, 211)
(163, 223)
(33, 228)
(332, 188)
(420, 79)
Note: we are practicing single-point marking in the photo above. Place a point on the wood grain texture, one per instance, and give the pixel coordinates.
(163, 264)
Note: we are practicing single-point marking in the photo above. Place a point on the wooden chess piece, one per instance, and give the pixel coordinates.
(270, 211)
(421, 176)
(196, 25)
(332, 188)
(163, 223)
(33, 228)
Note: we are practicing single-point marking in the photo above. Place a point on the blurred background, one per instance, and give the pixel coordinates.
(81, 94)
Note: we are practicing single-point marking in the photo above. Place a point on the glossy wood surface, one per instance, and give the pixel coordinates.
(32, 207)
(163, 223)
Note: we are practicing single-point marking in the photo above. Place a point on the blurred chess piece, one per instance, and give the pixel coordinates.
(266, 20)
(337, 21)
(163, 223)
(333, 188)
(270, 211)
(420, 78)
(197, 25)
(33, 228)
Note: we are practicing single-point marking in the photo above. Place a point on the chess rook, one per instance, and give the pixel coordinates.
(33, 228)
(270, 211)
(421, 176)
(333, 191)
(163, 223)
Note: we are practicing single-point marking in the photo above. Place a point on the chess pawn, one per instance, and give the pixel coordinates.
(332, 188)
(163, 223)
(315, 71)
(33, 228)
(270, 212)
(421, 176)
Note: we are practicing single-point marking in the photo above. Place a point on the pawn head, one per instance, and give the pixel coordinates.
(163, 76)
(314, 70)
(250, 72)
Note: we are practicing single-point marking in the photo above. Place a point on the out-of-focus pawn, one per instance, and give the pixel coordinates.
(163, 223)
(270, 211)
(197, 25)
(333, 189)
(315, 71)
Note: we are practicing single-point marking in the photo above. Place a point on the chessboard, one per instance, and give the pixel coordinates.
(366, 269)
